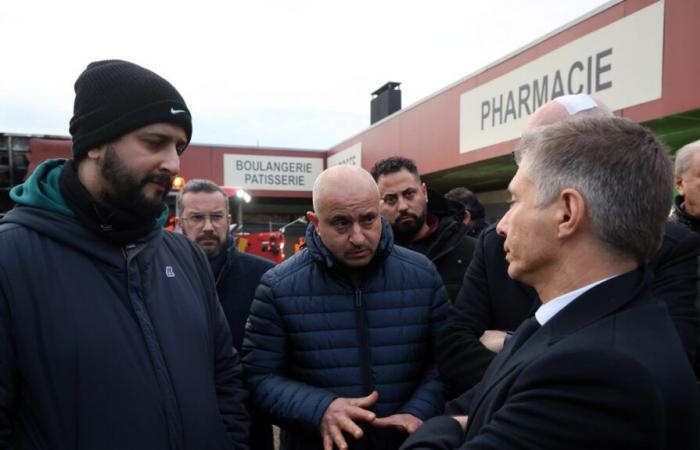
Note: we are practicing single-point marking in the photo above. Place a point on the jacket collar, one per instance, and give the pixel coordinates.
(600, 301)
(679, 215)
(321, 253)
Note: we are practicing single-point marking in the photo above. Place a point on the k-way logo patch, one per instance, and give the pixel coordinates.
(169, 272)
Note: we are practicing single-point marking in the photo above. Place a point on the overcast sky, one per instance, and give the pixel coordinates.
(267, 72)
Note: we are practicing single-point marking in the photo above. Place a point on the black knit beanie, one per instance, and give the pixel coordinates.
(113, 98)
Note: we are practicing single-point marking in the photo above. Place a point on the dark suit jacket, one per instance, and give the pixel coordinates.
(490, 299)
(607, 372)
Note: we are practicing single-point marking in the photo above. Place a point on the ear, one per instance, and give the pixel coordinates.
(571, 213)
(467, 216)
(312, 217)
(96, 153)
(229, 219)
(679, 185)
(424, 190)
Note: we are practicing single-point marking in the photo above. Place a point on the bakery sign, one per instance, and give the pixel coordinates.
(274, 173)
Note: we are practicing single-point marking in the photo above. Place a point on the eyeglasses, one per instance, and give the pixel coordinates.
(200, 219)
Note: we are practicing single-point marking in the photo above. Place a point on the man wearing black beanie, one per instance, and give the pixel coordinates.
(111, 335)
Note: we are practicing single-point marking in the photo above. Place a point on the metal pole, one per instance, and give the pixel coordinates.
(239, 215)
(10, 161)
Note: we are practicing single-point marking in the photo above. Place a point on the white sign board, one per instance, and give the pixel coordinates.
(351, 156)
(274, 173)
(621, 64)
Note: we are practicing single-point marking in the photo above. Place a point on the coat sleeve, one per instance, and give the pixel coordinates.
(7, 367)
(609, 402)
(275, 395)
(429, 397)
(461, 358)
(231, 393)
(675, 268)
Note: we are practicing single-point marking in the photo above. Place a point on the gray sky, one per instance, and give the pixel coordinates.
(265, 72)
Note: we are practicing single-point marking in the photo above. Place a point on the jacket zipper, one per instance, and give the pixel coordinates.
(363, 335)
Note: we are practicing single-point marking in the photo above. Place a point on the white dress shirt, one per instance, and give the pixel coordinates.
(550, 309)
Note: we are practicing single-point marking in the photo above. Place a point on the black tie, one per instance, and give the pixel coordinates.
(524, 331)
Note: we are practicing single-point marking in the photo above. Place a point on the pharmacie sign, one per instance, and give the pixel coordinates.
(275, 173)
(621, 64)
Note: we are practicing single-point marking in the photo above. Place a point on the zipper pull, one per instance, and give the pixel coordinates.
(358, 297)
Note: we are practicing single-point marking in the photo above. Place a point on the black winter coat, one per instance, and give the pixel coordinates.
(314, 335)
(110, 348)
(236, 281)
(491, 300)
(450, 248)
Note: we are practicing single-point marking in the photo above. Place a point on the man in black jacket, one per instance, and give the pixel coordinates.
(686, 206)
(111, 336)
(203, 216)
(404, 203)
(600, 364)
(491, 304)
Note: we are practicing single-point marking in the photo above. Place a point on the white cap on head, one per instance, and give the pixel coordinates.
(576, 103)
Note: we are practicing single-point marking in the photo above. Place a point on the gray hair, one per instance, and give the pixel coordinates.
(684, 157)
(196, 186)
(619, 167)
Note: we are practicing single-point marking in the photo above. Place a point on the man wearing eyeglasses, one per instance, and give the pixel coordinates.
(203, 215)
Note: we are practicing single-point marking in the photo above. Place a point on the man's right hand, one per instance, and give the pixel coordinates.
(341, 415)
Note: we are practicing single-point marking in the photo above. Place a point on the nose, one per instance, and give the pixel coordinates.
(170, 162)
(502, 227)
(402, 204)
(357, 238)
(208, 224)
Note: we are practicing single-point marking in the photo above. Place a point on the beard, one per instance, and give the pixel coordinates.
(407, 225)
(126, 192)
(211, 251)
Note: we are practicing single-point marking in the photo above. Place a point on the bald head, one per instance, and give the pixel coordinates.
(346, 179)
(561, 108)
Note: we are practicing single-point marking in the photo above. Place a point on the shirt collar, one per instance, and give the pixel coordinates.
(550, 309)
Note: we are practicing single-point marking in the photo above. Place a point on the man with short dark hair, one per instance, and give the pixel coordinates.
(338, 348)
(404, 203)
(474, 212)
(111, 336)
(600, 364)
(203, 216)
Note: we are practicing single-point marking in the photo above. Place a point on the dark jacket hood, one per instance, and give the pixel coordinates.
(41, 207)
(41, 189)
(321, 253)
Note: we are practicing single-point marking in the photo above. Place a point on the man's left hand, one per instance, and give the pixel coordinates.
(404, 422)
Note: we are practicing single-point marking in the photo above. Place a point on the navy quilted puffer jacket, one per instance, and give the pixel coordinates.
(315, 335)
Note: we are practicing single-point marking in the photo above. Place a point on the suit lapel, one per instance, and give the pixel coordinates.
(593, 305)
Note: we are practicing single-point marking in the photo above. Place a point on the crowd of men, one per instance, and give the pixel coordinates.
(406, 321)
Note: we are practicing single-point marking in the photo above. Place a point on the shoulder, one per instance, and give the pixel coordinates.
(403, 259)
(678, 235)
(298, 265)
(251, 262)
(678, 243)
